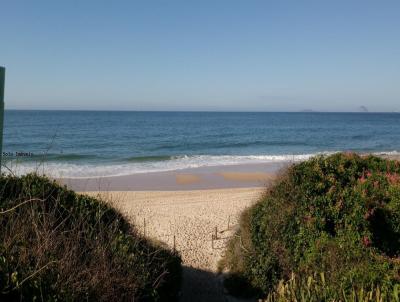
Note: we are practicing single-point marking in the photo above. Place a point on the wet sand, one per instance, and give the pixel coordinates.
(235, 176)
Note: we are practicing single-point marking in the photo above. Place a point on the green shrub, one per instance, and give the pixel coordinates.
(338, 214)
(56, 245)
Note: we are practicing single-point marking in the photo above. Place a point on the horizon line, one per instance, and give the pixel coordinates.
(200, 111)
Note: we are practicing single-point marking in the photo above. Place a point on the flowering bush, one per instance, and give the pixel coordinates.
(339, 215)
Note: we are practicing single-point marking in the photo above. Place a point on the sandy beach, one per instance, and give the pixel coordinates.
(187, 220)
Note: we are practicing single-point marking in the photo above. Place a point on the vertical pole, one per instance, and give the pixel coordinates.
(2, 77)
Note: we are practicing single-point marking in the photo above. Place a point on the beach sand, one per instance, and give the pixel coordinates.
(187, 220)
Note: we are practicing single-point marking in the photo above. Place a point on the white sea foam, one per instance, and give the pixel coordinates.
(70, 170)
(176, 163)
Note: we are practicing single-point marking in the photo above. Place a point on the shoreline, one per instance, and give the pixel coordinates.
(249, 175)
(202, 178)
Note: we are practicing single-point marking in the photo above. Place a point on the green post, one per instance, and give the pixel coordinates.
(2, 77)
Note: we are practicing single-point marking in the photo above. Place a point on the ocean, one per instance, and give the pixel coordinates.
(111, 143)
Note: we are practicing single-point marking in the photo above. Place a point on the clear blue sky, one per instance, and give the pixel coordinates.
(201, 55)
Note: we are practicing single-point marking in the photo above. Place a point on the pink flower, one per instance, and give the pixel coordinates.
(392, 178)
(366, 241)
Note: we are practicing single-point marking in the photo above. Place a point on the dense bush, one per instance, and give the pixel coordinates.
(338, 214)
(56, 245)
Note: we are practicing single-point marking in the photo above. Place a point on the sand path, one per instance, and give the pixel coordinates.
(191, 217)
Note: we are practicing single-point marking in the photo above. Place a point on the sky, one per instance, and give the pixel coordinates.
(201, 55)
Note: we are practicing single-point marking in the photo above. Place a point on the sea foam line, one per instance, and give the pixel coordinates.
(75, 170)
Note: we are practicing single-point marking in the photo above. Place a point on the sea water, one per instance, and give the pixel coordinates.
(107, 143)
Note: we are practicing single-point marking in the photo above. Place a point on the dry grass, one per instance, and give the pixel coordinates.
(56, 245)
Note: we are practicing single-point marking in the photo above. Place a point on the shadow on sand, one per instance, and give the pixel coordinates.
(199, 285)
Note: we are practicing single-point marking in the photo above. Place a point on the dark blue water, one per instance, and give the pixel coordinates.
(93, 143)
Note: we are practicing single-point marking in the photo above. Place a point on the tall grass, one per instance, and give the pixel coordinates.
(56, 245)
(315, 289)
